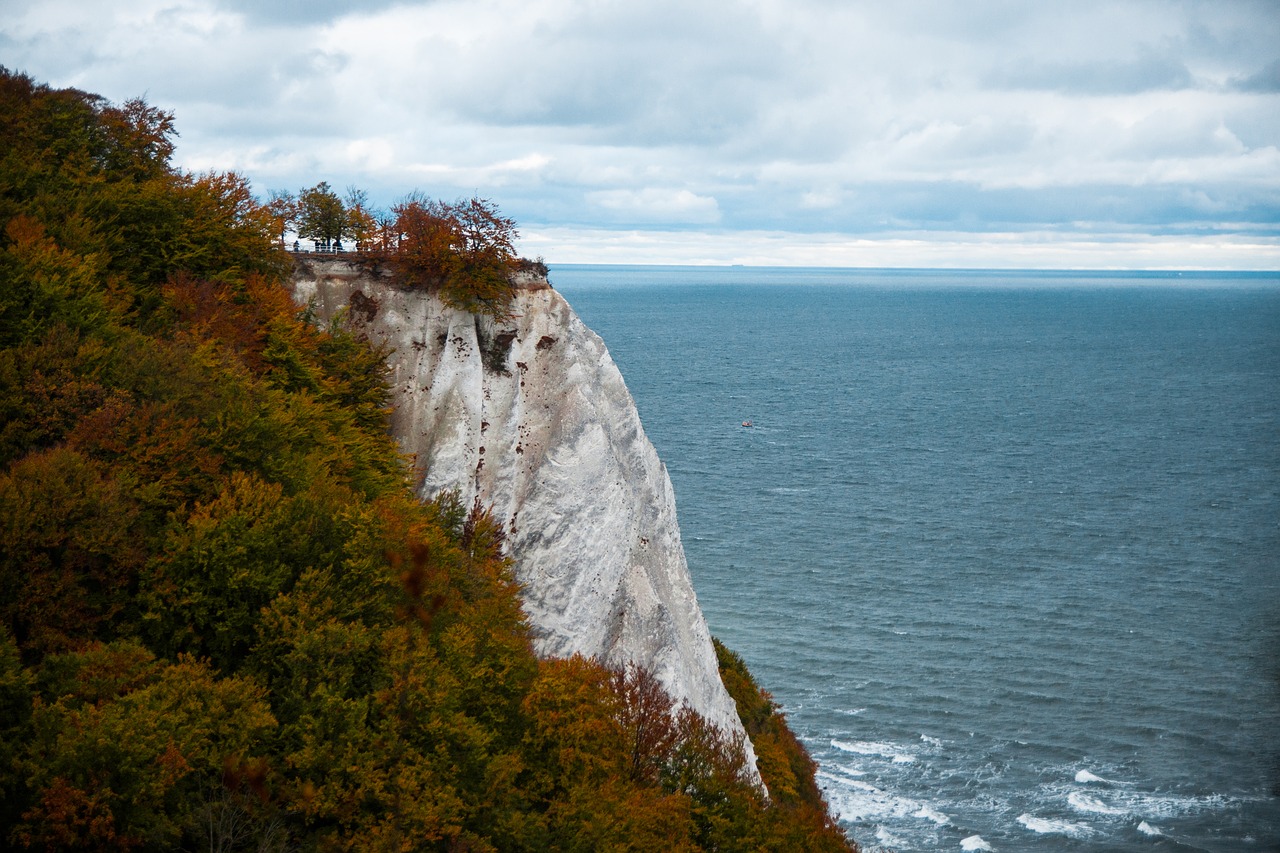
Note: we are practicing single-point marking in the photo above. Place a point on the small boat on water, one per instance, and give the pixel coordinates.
(746, 423)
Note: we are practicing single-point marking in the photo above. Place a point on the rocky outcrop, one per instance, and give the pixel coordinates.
(531, 416)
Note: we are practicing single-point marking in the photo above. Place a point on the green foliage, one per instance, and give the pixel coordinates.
(46, 282)
(124, 749)
(785, 766)
(321, 214)
(464, 250)
(225, 620)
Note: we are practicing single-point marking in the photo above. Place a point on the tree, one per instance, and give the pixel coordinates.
(321, 214)
(361, 225)
(386, 237)
(465, 250)
(124, 748)
(283, 207)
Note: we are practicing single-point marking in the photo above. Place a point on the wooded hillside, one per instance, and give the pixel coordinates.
(226, 623)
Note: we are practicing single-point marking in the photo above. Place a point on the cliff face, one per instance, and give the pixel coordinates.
(532, 417)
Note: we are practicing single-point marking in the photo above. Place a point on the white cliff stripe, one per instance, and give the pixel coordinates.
(554, 444)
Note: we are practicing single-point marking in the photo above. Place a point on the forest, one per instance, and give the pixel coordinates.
(226, 622)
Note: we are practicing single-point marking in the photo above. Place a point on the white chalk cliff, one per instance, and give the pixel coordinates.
(532, 416)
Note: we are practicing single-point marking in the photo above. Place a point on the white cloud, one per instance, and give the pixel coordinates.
(778, 116)
(657, 205)
(909, 250)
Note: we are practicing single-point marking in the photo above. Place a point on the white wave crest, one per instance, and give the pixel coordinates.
(1085, 803)
(849, 770)
(888, 839)
(871, 747)
(1045, 826)
(1147, 829)
(932, 741)
(1084, 777)
(974, 842)
(856, 800)
(1171, 805)
(930, 813)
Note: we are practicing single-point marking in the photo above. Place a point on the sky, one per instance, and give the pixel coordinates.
(985, 133)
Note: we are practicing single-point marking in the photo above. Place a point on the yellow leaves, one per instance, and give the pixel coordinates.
(135, 743)
(797, 816)
(42, 284)
(244, 496)
(361, 227)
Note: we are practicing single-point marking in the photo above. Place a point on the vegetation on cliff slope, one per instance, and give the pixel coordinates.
(225, 622)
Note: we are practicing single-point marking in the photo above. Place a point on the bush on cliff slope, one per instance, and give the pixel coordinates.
(225, 622)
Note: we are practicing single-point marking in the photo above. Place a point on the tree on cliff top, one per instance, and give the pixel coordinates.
(321, 214)
(464, 250)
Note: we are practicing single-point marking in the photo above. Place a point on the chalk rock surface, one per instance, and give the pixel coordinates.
(532, 416)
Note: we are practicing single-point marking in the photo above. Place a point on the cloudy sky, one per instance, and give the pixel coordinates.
(985, 133)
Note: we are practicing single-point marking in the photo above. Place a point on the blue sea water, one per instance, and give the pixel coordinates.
(1004, 546)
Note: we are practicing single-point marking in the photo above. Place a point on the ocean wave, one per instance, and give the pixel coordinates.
(854, 800)
(930, 813)
(1117, 798)
(1085, 803)
(888, 839)
(1046, 826)
(974, 842)
(880, 749)
(1168, 805)
(1147, 829)
(847, 769)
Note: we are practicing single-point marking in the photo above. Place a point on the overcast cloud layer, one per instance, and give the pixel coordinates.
(976, 134)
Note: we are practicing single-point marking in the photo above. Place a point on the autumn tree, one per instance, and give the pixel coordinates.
(361, 224)
(464, 250)
(283, 207)
(321, 214)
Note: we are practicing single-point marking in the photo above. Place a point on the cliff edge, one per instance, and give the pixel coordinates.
(531, 416)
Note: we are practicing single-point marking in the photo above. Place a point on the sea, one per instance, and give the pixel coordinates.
(1003, 546)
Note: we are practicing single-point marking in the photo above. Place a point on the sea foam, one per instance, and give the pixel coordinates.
(1147, 829)
(877, 748)
(930, 813)
(855, 800)
(1045, 826)
(1085, 803)
(974, 842)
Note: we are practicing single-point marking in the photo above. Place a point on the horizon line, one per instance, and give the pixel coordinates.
(1155, 271)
